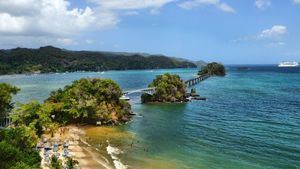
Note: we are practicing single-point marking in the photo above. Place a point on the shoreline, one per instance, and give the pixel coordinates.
(78, 149)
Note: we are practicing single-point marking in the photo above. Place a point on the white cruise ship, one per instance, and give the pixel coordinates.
(288, 64)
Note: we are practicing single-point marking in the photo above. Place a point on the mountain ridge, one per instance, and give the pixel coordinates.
(52, 59)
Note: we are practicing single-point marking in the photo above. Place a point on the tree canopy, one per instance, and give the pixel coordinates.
(168, 88)
(6, 93)
(17, 148)
(213, 69)
(89, 101)
(34, 115)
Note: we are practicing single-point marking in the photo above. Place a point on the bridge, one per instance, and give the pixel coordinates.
(151, 90)
(196, 80)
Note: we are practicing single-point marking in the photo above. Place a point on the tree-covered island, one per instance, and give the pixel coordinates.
(168, 88)
(89, 101)
(213, 69)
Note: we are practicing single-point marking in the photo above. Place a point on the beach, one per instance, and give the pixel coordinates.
(78, 149)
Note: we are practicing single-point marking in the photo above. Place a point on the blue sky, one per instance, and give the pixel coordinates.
(228, 31)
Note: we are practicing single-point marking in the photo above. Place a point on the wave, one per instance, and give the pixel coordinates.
(113, 152)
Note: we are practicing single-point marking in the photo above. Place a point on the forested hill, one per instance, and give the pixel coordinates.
(50, 59)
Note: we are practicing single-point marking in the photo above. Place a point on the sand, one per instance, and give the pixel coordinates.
(79, 149)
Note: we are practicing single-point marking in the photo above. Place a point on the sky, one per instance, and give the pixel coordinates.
(227, 31)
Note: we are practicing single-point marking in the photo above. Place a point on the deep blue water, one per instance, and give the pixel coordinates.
(250, 120)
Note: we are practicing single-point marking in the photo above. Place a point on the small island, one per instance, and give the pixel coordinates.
(90, 101)
(168, 88)
(213, 69)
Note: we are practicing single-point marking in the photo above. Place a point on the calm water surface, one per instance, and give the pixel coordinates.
(250, 120)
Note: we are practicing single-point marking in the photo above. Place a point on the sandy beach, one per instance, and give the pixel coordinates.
(78, 149)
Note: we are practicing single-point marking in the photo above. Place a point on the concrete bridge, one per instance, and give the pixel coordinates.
(125, 94)
(151, 90)
(196, 80)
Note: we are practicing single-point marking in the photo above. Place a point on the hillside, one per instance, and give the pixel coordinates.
(50, 59)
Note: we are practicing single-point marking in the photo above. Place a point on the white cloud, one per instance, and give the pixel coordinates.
(54, 20)
(273, 32)
(49, 17)
(131, 4)
(262, 4)
(66, 41)
(217, 3)
(131, 13)
(296, 1)
(154, 11)
(276, 44)
(89, 41)
(57, 20)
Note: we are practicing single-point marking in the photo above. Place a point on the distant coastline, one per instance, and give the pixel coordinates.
(50, 59)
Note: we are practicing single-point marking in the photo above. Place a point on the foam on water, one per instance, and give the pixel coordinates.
(113, 152)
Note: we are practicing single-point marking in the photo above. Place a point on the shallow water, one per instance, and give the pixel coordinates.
(250, 120)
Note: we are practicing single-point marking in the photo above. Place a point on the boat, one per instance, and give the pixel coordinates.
(288, 64)
(124, 97)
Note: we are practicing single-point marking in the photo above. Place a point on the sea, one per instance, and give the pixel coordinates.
(250, 120)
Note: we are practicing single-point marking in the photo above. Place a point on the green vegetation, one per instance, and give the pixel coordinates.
(84, 101)
(168, 88)
(51, 59)
(71, 163)
(6, 92)
(17, 148)
(34, 115)
(16, 144)
(55, 163)
(213, 69)
(89, 101)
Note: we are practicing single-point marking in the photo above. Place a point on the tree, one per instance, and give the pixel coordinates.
(22, 165)
(168, 88)
(88, 101)
(22, 137)
(17, 145)
(34, 115)
(212, 69)
(6, 92)
(8, 155)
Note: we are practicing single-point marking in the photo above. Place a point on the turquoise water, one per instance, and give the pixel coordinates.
(250, 120)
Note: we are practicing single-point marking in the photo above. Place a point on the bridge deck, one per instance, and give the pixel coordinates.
(151, 90)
